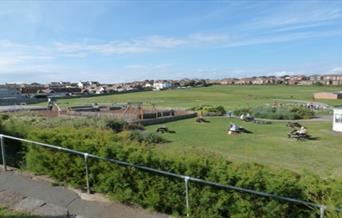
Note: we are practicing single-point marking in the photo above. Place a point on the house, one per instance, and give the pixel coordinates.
(148, 85)
(32, 90)
(228, 81)
(161, 85)
(59, 91)
(337, 121)
(295, 79)
(245, 81)
(101, 90)
(332, 79)
(305, 83)
(264, 80)
(328, 95)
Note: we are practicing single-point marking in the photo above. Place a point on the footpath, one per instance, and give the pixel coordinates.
(26, 193)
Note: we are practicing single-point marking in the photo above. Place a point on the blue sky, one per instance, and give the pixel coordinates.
(115, 41)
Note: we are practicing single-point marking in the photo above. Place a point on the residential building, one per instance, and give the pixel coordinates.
(161, 85)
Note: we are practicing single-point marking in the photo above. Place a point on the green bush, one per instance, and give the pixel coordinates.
(277, 113)
(115, 125)
(208, 110)
(240, 111)
(145, 137)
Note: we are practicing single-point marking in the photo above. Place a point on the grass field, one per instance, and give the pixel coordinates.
(268, 144)
(228, 96)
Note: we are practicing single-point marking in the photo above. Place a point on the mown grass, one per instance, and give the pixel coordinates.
(227, 96)
(268, 144)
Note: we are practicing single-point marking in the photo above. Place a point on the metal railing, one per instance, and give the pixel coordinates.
(322, 208)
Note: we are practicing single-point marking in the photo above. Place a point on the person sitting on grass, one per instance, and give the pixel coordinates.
(233, 128)
(302, 131)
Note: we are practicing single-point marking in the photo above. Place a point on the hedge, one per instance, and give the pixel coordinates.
(209, 110)
(277, 113)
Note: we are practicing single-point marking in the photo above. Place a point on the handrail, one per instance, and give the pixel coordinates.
(321, 207)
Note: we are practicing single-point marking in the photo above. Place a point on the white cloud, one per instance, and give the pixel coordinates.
(337, 70)
(137, 46)
(298, 14)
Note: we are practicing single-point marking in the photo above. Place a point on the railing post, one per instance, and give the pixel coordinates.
(186, 183)
(3, 155)
(321, 211)
(87, 171)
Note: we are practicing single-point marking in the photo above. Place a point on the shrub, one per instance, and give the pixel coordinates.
(115, 125)
(208, 110)
(146, 137)
(277, 113)
(134, 126)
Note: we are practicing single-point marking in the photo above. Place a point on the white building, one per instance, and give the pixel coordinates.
(337, 123)
(162, 85)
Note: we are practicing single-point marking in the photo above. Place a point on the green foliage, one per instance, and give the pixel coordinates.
(240, 111)
(166, 194)
(209, 110)
(302, 112)
(115, 125)
(277, 113)
(145, 137)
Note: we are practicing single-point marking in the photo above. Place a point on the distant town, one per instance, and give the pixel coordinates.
(35, 92)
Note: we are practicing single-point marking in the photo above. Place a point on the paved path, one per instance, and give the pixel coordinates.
(25, 193)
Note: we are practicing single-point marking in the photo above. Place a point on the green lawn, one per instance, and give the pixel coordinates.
(268, 144)
(228, 96)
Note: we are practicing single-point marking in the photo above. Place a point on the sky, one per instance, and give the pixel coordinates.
(121, 41)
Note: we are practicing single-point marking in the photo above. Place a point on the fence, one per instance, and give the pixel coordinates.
(187, 179)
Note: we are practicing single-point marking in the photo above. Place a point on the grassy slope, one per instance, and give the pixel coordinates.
(228, 96)
(267, 145)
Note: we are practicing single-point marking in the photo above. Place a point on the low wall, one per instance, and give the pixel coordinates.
(166, 119)
(154, 115)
